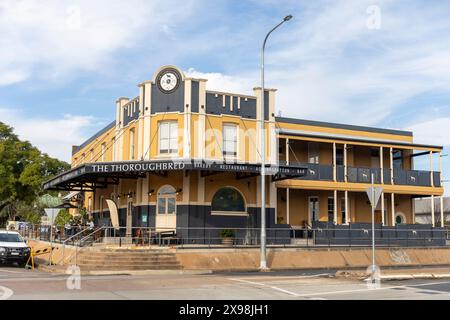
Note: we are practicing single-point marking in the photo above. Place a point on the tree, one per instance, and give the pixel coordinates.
(63, 218)
(23, 169)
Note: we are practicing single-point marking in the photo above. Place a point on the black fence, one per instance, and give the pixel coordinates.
(360, 234)
(321, 234)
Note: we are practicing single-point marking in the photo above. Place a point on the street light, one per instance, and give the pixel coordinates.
(263, 263)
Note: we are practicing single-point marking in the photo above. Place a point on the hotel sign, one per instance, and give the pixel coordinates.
(155, 166)
(90, 171)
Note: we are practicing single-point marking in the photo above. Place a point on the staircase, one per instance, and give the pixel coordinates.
(122, 259)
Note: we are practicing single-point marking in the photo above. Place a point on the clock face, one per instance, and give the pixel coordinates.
(168, 81)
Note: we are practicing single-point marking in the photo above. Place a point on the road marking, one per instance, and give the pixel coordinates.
(11, 271)
(5, 293)
(367, 289)
(336, 292)
(287, 277)
(266, 286)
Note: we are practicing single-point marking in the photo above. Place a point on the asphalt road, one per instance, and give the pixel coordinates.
(26, 284)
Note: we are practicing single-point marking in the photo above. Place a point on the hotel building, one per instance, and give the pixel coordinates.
(180, 156)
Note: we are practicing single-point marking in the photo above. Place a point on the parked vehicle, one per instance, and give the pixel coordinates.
(13, 248)
(17, 225)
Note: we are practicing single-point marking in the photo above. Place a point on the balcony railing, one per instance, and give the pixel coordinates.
(363, 175)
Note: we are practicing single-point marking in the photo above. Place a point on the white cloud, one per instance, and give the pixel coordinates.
(52, 39)
(226, 83)
(52, 136)
(434, 131)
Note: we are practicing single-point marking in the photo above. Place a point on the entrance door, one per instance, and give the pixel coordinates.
(313, 210)
(166, 211)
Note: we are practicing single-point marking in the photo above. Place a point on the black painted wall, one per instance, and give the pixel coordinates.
(162, 102)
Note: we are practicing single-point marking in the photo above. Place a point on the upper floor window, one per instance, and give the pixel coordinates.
(339, 156)
(132, 144)
(92, 154)
(168, 137)
(313, 152)
(398, 159)
(229, 140)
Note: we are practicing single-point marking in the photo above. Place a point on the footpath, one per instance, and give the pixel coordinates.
(387, 274)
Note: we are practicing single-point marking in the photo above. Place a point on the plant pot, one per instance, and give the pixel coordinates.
(228, 241)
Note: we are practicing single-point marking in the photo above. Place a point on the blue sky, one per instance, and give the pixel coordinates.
(63, 63)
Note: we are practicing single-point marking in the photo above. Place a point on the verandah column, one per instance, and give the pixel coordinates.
(334, 162)
(393, 209)
(432, 211)
(335, 218)
(345, 162)
(382, 182)
(347, 212)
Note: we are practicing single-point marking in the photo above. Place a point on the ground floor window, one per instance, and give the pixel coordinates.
(330, 209)
(166, 202)
(343, 209)
(313, 209)
(228, 200)
(400, 218)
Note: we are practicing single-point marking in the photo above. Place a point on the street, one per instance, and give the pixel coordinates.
(307, 285)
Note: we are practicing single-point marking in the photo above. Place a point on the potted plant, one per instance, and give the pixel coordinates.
(227, 236)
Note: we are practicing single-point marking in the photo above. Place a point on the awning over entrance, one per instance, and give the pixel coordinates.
(90, 176)
(71, 195)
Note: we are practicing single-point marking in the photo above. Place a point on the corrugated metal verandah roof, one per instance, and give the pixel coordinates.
(90, 176)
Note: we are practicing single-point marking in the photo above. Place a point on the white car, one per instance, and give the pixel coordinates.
(13, 248)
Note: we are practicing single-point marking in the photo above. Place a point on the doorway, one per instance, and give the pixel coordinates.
(313, 208)
(166, 211)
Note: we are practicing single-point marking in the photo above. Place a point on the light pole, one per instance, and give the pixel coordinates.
(263, 263)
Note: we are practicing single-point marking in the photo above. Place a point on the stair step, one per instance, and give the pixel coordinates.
(99, 263)
(131, 267)
(128, 258)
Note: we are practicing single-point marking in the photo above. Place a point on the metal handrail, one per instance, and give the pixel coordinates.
(90, 234)
(65, 241)
(71, 237)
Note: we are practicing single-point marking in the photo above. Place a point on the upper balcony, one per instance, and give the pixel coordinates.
(363, 175)
(356, 164)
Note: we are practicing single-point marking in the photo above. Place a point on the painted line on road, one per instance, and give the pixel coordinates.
(288, 277)
(11, 271)
(368, 290)
(338, 291)
(267, 286)
(5, 293)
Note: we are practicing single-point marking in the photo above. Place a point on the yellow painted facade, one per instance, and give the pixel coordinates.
(200, 136)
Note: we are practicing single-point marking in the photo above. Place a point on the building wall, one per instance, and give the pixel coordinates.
(203, 114)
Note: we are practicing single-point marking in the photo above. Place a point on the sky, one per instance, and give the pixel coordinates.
(376, 63)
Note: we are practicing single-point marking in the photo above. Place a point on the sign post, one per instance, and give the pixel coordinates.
(374, 194)
(51, 213)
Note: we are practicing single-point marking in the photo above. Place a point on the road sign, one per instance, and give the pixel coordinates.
(374, 194)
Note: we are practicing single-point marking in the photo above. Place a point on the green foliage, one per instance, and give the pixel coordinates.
(63, 218)
(23, 169)
(33, 217)
(48, 201)
(226, 233)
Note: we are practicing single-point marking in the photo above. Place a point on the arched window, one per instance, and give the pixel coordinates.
(228, 200)
(167, 200)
